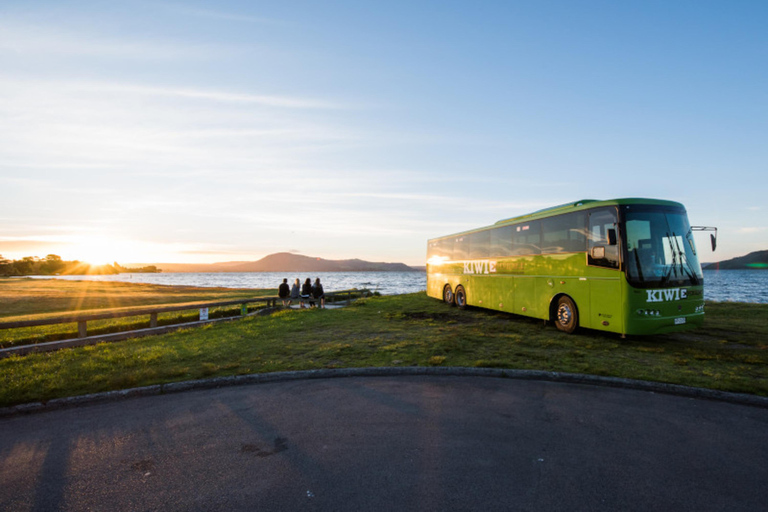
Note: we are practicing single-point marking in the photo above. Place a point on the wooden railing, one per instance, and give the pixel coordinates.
(82, 320)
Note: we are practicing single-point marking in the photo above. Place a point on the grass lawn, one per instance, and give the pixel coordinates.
(22, 298)
(27, 299)
(729, 353)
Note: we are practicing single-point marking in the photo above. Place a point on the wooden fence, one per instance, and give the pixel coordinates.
(82, 321)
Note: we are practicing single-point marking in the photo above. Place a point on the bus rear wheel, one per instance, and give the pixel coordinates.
(566, 315)
(448, 295)
(461, 297)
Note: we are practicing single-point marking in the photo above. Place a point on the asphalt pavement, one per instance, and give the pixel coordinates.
(427, 443)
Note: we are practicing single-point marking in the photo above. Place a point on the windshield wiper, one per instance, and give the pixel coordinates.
(688, 269)
(678, 257)
(672, 267)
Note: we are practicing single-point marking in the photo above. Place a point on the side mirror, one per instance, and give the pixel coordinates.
(712, 236)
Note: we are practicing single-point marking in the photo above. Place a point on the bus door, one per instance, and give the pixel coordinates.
(604, 273)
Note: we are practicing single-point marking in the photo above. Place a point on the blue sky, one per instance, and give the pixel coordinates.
(147, 131)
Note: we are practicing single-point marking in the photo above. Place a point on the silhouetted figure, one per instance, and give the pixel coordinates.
(284, 292)
(306, 293)
(318, 293)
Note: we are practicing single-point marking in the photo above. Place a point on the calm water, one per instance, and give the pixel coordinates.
(719, 285)
(386, 283)
(736, 285)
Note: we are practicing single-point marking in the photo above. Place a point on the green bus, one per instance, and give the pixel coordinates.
(627, 266)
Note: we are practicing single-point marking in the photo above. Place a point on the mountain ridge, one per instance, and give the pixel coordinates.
(286, 262)
(753, 260)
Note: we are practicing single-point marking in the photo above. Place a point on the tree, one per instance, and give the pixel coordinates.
(26, 265)
(6, 267)
(53, 264)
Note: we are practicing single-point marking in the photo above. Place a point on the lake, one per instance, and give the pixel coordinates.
(719, 285)
(386, 283)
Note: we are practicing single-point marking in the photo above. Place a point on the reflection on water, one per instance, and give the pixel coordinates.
(719, 285)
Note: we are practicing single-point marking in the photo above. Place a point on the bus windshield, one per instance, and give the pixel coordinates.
(660, 250)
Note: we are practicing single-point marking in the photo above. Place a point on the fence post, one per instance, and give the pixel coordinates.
(82, 331)
(349, 298)
(153, 319)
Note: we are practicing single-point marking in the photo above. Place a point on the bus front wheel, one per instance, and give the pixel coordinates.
(461, 297)
(448, 295)
(566, 315)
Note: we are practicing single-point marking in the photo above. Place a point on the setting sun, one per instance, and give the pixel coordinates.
(102, 251)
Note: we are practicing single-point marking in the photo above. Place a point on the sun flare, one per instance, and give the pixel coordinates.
(103, 251)
(99, 252)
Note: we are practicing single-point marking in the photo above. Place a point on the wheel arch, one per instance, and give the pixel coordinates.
(553, 305)
(451, 293)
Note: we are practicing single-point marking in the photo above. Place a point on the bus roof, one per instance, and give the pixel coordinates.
(582, 204)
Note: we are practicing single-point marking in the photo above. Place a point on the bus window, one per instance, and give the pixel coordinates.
(564, 233)
(446, 249)
(526, 239)
(440, 251)
(461, 248)
(479, 244)
(432, 250)
(603, 238)
(501, 242)
(659, 250)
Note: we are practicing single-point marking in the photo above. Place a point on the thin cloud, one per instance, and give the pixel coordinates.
(227, 16)
(23, 39)
(212, 95)
(91, 87)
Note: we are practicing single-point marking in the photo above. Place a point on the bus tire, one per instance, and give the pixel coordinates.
(460, 296)
(566, 314)
(448, 295)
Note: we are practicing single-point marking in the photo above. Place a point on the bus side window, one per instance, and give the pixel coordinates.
(603, 240)
(479, 244)
(564, 233)
(445, 249)
(461, 248)
(526, 239)
(501, 241)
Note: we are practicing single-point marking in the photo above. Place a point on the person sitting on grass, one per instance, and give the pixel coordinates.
(284, 292)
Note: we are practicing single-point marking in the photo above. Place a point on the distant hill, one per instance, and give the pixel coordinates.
(757, 259)
(287, 262)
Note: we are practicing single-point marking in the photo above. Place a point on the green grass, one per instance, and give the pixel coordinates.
(729, 353)
(21, 299)
(30, 299)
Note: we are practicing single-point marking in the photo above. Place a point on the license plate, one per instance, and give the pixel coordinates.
(679, 321)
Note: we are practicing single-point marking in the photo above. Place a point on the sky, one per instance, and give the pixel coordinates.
(153, 131)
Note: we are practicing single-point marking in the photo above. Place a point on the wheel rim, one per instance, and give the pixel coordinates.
(564, 314)
(448, 295)
(460, 298)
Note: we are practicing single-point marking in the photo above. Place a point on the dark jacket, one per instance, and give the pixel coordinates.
(306, 289)
(317, 291)
(284, 291)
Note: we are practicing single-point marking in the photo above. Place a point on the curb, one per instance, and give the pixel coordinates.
(259, 378)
